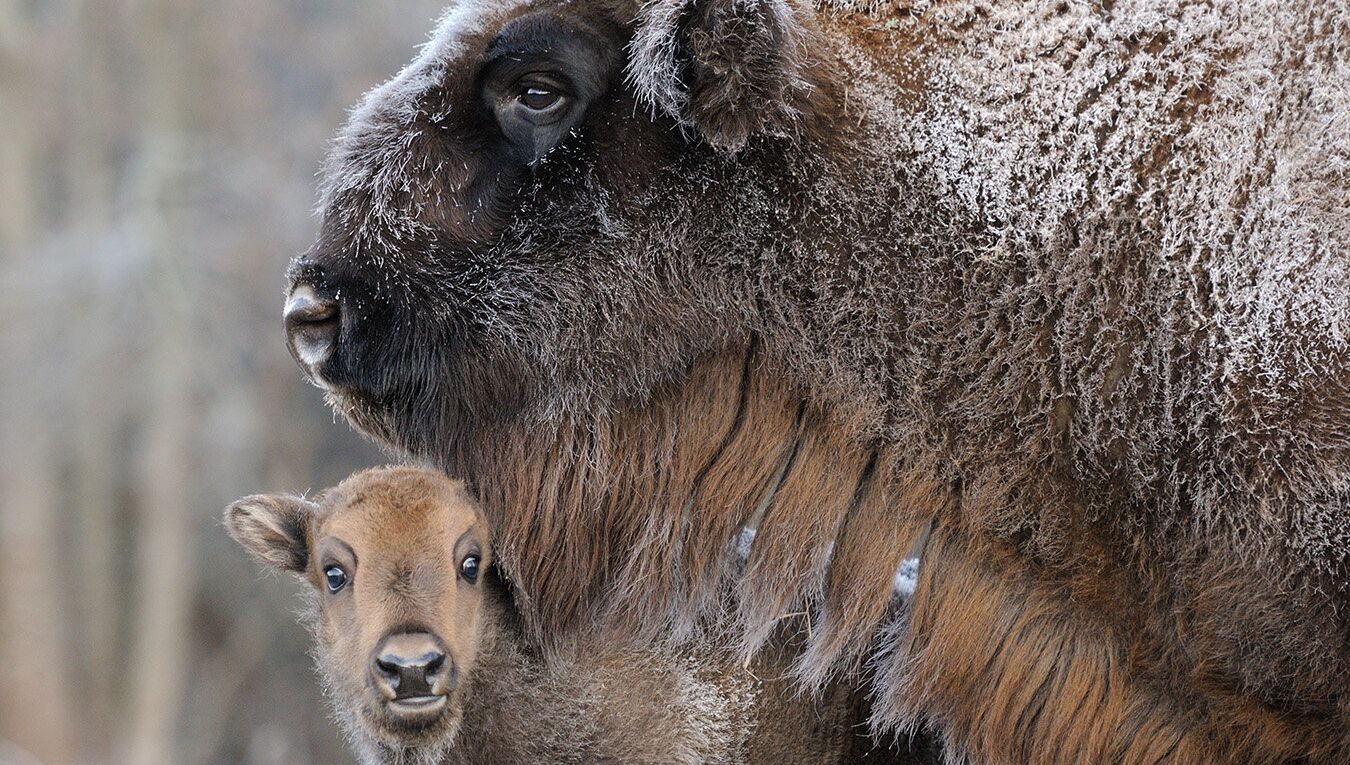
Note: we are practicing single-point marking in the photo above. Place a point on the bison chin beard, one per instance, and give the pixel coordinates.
(419, 404)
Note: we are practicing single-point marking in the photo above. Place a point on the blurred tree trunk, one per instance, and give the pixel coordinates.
(164, 578)
(94, 541)
(35, 695)
(162, 647)
(35, 701)
(19, 134)
(90, 168)
(93, 113)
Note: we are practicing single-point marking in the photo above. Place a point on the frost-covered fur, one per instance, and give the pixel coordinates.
(1067, 279)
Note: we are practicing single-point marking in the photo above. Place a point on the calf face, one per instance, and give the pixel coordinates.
(394, 556)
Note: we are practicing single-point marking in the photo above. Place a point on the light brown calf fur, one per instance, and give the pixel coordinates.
(400, 537)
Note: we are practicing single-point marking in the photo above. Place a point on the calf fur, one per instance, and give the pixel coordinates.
(423, 653)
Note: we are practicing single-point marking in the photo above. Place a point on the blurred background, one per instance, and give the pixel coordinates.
(157, 163)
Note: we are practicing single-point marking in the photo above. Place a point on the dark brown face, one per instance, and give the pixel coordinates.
(512, 101)
(532, 179)
(396, 557)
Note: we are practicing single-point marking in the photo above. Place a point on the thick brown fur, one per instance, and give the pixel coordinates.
(512, 699)
(1013, 670)
(1066, 280)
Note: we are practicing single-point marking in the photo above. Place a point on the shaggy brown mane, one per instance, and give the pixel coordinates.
(729, 448)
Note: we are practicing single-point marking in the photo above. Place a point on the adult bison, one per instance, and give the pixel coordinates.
(1066, 281)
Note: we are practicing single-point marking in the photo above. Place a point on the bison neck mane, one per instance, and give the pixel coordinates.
(626, 524)
(623, 528)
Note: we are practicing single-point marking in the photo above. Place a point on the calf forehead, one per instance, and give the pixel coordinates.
(397, 512)
(390, 530)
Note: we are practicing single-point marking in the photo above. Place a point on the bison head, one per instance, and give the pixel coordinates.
(531, 214)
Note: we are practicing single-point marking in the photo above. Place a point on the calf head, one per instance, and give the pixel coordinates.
(395, 558)
(513, 214)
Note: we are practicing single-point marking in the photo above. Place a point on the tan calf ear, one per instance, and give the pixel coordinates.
(730, 69)
(273, 528)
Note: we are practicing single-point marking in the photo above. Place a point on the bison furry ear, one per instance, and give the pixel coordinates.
(729, 69)
(273, 528)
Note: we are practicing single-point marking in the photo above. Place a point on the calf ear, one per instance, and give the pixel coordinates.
(273, 528)
(729, 69)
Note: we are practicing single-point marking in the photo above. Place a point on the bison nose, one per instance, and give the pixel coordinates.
(410, 665)
(312, 324)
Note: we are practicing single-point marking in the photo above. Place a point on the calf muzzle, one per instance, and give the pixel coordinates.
(411, 668)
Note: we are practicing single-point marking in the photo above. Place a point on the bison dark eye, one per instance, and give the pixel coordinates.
(539, 76)
(539, 99)
(336, 578)
(469, 569)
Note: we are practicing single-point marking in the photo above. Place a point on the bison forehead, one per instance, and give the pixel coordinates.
(371, 153)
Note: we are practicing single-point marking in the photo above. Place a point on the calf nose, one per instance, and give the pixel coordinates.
(312, 324)
(409, 665)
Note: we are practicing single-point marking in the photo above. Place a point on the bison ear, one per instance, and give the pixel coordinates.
(273, 528)
(729, 69)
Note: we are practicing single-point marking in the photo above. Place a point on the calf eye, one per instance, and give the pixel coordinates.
(469, 569)
(538, 99)
(336, 578)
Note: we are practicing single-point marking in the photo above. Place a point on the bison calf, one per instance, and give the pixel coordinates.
(422, 649)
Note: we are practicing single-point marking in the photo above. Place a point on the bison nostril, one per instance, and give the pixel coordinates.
(312, 325)
(305, 307)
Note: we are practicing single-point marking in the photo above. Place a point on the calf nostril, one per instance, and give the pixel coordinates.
(410, 665)
(434, 664)
(389, 667)
(411, 675)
